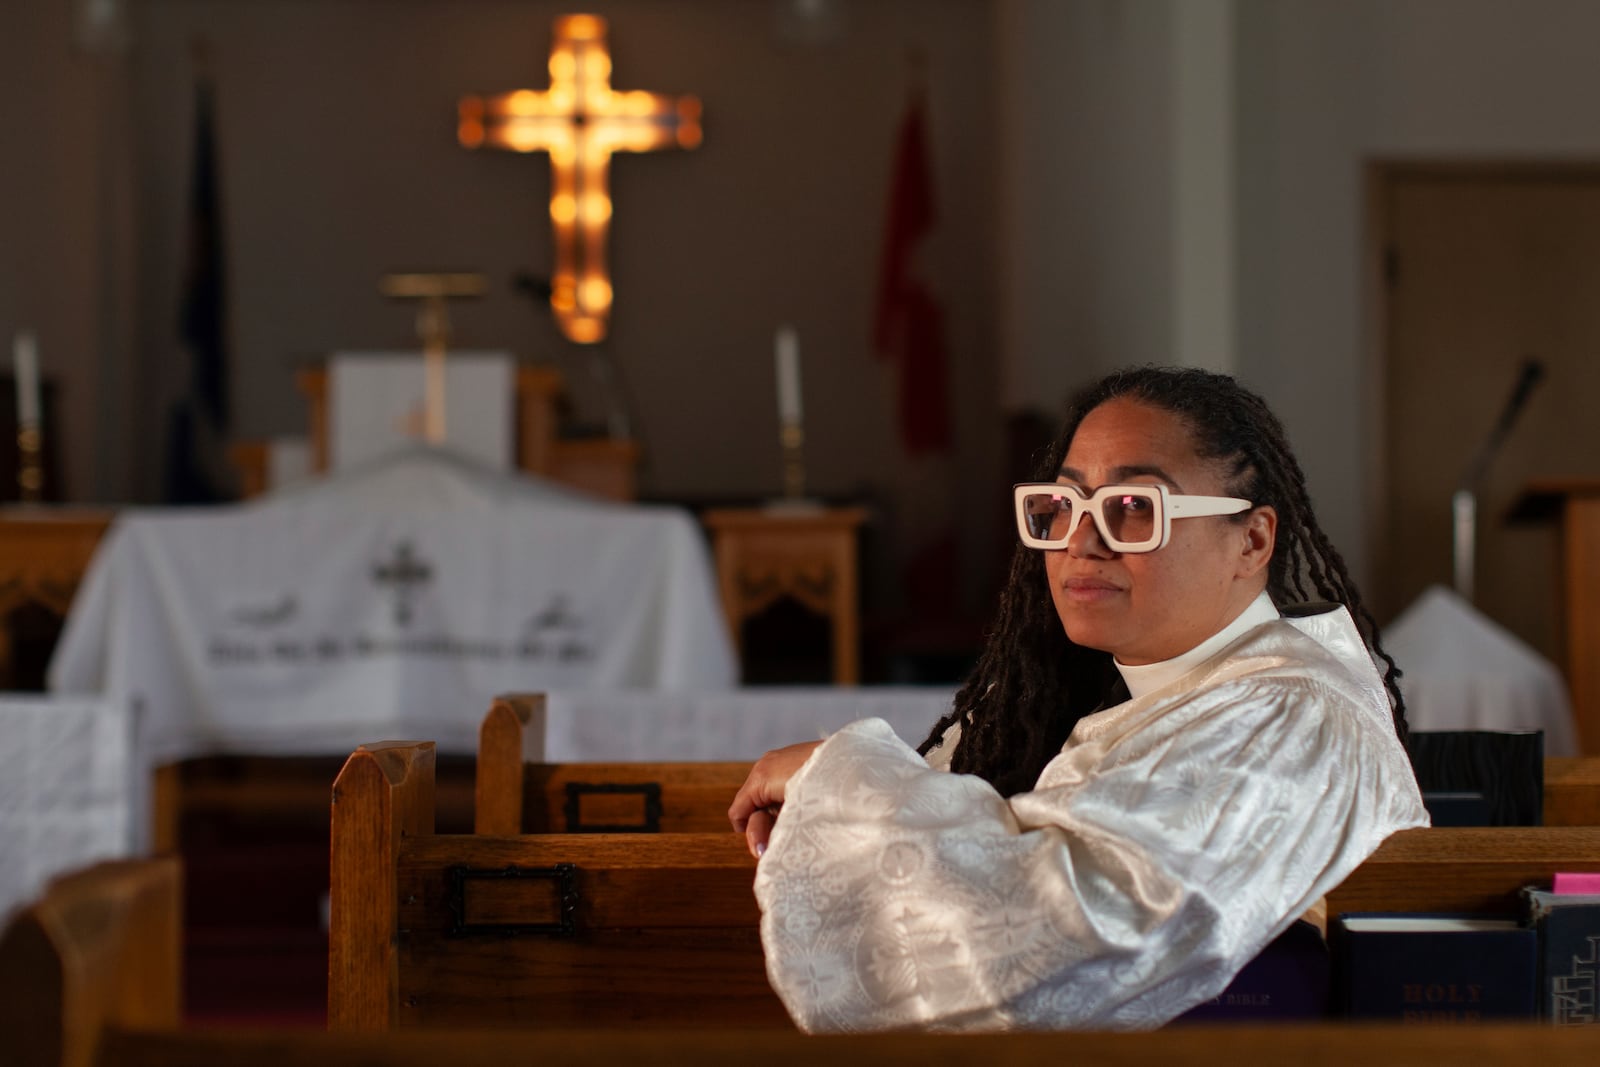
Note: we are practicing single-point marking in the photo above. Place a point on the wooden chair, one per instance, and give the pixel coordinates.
(558, 929)
(517, 793)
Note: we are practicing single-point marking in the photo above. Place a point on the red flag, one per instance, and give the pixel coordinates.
(908, 326)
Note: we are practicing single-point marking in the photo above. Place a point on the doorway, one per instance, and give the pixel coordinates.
(1483, 267)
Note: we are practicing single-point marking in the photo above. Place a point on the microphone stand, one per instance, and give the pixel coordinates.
(1464, 502)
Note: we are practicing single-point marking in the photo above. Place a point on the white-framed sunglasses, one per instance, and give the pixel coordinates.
(1130, 518)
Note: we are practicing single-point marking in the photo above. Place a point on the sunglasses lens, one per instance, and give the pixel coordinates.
(1131, 517)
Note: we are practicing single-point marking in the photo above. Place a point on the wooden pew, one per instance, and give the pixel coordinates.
(1467, 869)
(580, 929)
(88, 978)
(1329, 1045)
(661, 929)
(99, 949)
(518, 793)
(1572, 791)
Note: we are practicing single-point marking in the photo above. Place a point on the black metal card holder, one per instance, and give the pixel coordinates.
(650, 791)
(563, 877)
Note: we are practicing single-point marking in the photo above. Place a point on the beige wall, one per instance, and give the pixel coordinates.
(1324, 89)
(64, 213)
(340, 164)
(1054, 135)
(1086, 161)
(336, 131)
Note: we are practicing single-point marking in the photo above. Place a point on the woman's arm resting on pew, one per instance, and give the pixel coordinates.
(755, 806)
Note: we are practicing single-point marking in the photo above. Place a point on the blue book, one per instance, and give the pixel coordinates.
(1435, 968)
(1568, 928)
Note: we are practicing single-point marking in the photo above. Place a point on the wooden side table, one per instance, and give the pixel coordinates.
(763, 554)
(44, 552)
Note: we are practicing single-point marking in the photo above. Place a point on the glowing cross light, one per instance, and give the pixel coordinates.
(581, 121)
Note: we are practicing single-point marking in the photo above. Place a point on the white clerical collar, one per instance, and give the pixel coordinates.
(1152, 676)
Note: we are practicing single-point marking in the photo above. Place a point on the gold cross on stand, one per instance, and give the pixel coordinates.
(433, 327)
(581, 121)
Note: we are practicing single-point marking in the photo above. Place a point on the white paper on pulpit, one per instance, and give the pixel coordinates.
(376, 402)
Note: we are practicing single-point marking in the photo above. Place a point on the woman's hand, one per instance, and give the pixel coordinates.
(755, 806)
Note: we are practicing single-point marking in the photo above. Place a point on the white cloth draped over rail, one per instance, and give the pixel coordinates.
(393, 601)
(737, 725)
(67, 792)
(1463, 671)
(1174, 836)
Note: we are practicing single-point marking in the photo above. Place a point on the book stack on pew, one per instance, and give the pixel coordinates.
(1456, 968)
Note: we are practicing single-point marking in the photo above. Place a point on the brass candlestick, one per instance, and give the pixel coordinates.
(793, 439)
(30, 469)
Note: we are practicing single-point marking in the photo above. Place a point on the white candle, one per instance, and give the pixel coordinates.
(788, 354)
(25, 371)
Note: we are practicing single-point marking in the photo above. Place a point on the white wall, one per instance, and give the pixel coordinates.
(1058, 138)
(1085, 193)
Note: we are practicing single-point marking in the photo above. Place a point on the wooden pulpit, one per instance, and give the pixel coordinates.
(1575, 504)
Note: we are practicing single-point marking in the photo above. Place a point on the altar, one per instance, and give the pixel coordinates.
(395, 600)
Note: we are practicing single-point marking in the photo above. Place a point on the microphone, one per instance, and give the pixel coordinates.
(1531, 374)
(1464, 502)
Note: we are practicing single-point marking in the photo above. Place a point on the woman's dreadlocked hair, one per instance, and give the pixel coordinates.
(1032, 684)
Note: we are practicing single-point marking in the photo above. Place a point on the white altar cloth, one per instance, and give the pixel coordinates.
(67, 794)
(392, 601)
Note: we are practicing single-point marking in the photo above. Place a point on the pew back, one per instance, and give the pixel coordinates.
(89, 977)
(1464, 869)
(100, 948)
(544, 930)
(516, 793)
(1572, 791)
(1308, 1046)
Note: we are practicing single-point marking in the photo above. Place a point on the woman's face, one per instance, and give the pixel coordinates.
(1151, 606)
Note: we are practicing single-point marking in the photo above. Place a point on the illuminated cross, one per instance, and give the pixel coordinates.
(581, 121)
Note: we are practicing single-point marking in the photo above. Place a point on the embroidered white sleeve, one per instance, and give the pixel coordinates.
(1133, 883)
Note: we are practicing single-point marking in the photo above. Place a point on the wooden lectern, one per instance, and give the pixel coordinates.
(1576, 503)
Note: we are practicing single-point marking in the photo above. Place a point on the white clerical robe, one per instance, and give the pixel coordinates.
(1174, 836)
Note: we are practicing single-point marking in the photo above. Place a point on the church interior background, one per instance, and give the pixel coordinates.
(1113, 182)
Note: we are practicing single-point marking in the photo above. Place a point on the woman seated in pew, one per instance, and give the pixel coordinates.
(1165, 755)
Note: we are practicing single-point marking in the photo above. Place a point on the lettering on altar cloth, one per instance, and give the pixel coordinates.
(554, 633)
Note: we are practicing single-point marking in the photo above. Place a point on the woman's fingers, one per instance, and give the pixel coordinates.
(752, 797)
(758, 829)
(763, 790)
